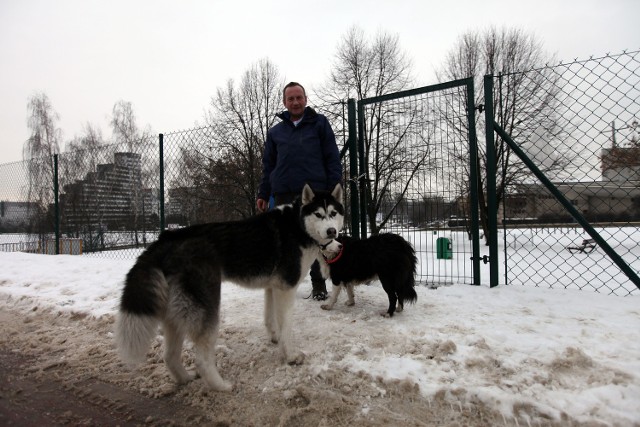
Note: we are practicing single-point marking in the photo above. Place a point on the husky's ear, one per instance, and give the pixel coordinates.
(307, 195)
(337, 192)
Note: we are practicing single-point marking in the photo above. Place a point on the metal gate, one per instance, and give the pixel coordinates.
(416, 175)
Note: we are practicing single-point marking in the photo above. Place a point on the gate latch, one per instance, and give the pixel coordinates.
(484, 258)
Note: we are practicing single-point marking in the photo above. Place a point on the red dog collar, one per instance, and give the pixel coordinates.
(337, 257)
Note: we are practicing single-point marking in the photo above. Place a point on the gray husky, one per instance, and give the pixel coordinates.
(176, 281)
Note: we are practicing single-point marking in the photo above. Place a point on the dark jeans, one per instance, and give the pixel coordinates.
(286, 198)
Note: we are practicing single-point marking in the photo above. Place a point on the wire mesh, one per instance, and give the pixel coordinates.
(115, 199)
(107, 201)
(19, 208)
(337, 115)
(417, 174)
(109, 198)
(578, 122)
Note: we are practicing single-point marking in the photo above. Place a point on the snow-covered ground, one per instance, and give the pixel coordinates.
(530, 353)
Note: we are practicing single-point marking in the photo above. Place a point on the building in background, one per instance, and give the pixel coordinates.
(110, 198)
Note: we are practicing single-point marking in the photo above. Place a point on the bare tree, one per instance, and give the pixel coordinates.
(39, 152)
(90, 139)
(82, 211)
(525, 105)
(126, 132)
(365, 68)
(229, 168)
(82, 153)
(124, 126)
(45, 136)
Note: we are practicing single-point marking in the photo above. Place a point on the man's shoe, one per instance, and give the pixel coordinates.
(319, 292)
(319, 295)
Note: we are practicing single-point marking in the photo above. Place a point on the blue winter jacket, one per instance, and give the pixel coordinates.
(295, 155)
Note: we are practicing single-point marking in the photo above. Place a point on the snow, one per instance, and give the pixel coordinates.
(557, 351)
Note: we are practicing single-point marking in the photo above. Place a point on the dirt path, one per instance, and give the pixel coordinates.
(46, 399)
(60, 369)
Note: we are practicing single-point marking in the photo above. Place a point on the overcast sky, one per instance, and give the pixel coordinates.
(168, 57)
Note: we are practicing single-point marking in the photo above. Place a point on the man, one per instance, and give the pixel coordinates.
(299, 150)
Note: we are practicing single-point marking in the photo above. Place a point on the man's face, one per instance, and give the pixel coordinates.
(295, 101)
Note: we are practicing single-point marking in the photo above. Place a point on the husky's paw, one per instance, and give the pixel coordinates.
(297, 358)
(273, 336)
(223, 386)
(189, 378)
(182, 376)
(326, 306)
(216, 383)
(350, 303)
(386, 314)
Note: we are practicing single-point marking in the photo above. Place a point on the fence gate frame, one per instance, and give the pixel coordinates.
(359, 197)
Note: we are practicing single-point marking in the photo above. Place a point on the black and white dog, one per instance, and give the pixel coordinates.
(176, 281)
(387, 257)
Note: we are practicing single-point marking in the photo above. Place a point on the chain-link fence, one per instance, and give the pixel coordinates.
(578, 123)
(86, 201)
(567, 118)
(16, 212)
(114, 200)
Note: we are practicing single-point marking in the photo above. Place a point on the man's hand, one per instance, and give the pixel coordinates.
(262, 205)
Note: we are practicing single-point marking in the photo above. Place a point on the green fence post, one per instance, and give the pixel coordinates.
(56, 225)
(362, 175)
(353, 168)
(474, 186)
(161, 195)
(492, 208)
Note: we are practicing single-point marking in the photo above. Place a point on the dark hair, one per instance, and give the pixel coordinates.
(292, 84)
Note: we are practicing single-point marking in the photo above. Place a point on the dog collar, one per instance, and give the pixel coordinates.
(336, 258)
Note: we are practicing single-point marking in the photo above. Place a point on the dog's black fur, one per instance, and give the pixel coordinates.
(388, 257)
(177, 280)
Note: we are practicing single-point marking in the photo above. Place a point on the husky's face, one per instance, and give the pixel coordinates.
(331, 250)
(322, 213)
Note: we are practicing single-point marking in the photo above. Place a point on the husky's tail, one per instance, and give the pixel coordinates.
(144, 299)
(408, 293)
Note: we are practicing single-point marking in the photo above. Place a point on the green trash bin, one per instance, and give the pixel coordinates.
(443, 248)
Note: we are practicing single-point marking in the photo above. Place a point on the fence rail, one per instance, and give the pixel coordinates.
(576, 122)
